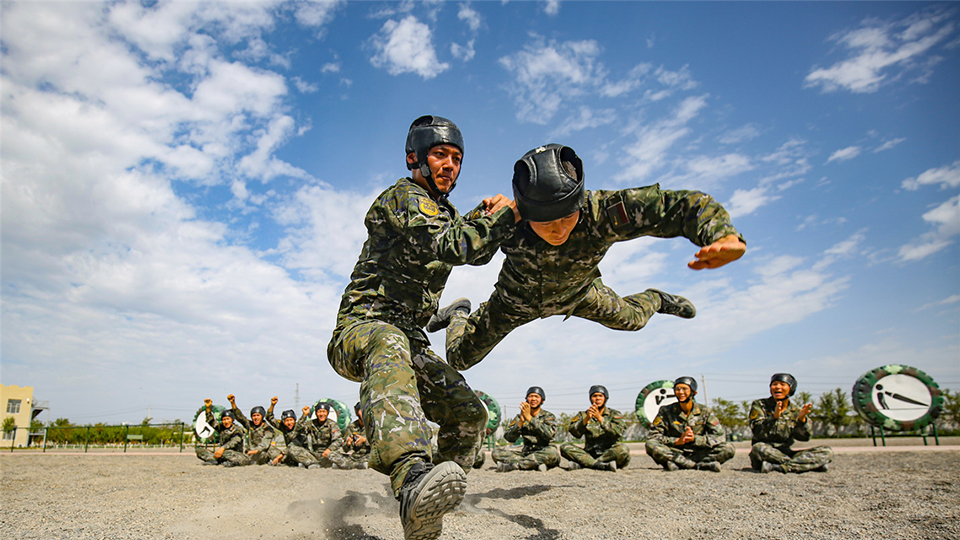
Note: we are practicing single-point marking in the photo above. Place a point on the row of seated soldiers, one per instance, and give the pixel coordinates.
(311, 441)
(684, 434)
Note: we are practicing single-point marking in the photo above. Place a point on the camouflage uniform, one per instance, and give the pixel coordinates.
(537, 435)
(323, 437)
(538, 280)
(297, 445)
(601, 440)
(772, 439)
(231, 440)
(354, 453)
(709, 442)
(259, 438)
(412, 244)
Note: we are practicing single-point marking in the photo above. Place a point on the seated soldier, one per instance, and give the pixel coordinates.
(325, 440)
(601, 427)
(294, 436)
(260, 448)
(776, 423)
(536, 427)
(687, 435)
(355, 449)
(229, 453)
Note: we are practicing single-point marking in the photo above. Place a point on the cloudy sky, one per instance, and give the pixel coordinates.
(184, 186)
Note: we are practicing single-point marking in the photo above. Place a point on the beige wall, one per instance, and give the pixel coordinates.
(22, 418)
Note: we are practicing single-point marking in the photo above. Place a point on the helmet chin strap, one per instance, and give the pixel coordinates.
(427, 174)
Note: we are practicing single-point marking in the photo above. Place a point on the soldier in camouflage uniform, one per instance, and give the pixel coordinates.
(325, 439)
(776, 423)
(294, 431)
(355, 449)
(229, 453)
(551, 260)
(415, 237)
(687, 435)
(260, 433)
(537, 428)
(601, 427)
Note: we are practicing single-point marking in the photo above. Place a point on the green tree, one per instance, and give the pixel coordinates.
(950, 413)
(9, 424)
(833, 409)
(730, 415)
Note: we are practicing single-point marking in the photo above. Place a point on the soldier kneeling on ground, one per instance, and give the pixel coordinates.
(687, 435)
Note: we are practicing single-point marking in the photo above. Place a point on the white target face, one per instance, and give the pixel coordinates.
(203, 429)
(656, 399)
(332, 414)
(901, 397)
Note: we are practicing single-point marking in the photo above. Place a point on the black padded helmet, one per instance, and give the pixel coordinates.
(288, 414)
(425, 133)
(226, 413)
(537, 390)
(322, 405)
(543, 189)
(599, 389)
(786, 378)
(258, 410)
(689, 381)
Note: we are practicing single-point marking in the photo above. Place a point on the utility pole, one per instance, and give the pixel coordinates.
(703, 383)
(296, 398)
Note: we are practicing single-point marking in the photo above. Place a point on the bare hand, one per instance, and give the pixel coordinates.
(525, 413)
(594, 412)
(498, 201)
(723, 251)
(804, 411)
(687, 436)
(218, 453)
(306, 410)
(231, 398)
(207, 403)
(360, 440)
(277, 459)
(326, 452)
(778, 410)
(252, 452)
(274, 400)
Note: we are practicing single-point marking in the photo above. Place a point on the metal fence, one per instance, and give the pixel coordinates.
(140, 436)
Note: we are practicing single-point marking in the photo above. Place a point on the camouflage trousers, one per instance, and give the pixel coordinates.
(402, 386)
(525, 459)
(795, 461)
(294, 455)
(229, 458)
(263, 457)
(618, 452)
(687, 458)
(355, 459)
(333, 458)
(471, 338)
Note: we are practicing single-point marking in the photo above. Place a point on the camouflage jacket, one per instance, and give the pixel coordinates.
(413, 241)
(291, 437)
(781, 432)
(324, 436)
(351, 434)
(536, 434)
(670, 423)
(598, 435)
(260, 437)
(543, 280)
(230, 438)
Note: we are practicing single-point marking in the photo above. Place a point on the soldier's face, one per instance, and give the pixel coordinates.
(226, 421)
(597, 399)
(322, 415)
(556, 232)
(289, 422)
(444, 162)
(534, 400)
(682, 392)
(779, 390)
(257, 418)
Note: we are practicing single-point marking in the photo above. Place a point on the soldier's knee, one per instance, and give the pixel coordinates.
(652, 446)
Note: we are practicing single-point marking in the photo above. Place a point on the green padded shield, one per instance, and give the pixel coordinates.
(493, 409)
(651, 398)
(206, 433)
(897, 398)
(340, 412)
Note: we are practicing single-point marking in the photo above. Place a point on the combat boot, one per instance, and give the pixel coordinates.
(427, 494)
(670, 466)
(542, 467)
(441, 319)
(684, 462)
(503, 466)
(480, 459)
(709, 466)
(573, 466)
(672, 304)
(768, 467)
(605, 466)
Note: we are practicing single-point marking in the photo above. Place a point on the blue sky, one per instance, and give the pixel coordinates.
(184, 186)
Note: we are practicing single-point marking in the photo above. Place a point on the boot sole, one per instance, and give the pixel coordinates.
(444, 488)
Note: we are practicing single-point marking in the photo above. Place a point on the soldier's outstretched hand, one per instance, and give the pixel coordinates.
(306, 410)
(231, 398)
(207, 403)
(498, 201)
(274, 400)
(723, 251)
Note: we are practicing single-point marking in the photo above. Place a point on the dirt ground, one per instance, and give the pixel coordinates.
(901, 492)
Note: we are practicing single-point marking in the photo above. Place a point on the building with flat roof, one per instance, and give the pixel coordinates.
(18, 403)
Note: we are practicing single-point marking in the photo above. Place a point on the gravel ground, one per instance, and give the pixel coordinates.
(871, 494)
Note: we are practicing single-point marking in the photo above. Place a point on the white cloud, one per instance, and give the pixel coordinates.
(746, 201)
(649, 152)
(880, 53)
(946, 221)
(551, 7)
(469, 16)
(463, 52)
(844, 154)
(406, 47)
(317, 12)
(887, 145)
(947, 176)
(305, 87)
(741, 134)
(586, 119)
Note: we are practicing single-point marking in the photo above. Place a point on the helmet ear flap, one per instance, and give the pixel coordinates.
(521, 173)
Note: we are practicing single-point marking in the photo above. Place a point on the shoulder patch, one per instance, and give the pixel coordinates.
(428, 207)
(657, 421)
(754, 414)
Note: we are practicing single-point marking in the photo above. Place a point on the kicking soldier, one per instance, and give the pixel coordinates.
(776, 423)
(551, 260)
(325, 439)
(260, 433)
(536, 427)
(230, 451)
(415, 237)
(294, 431)
(687, 435)
(601, 427)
